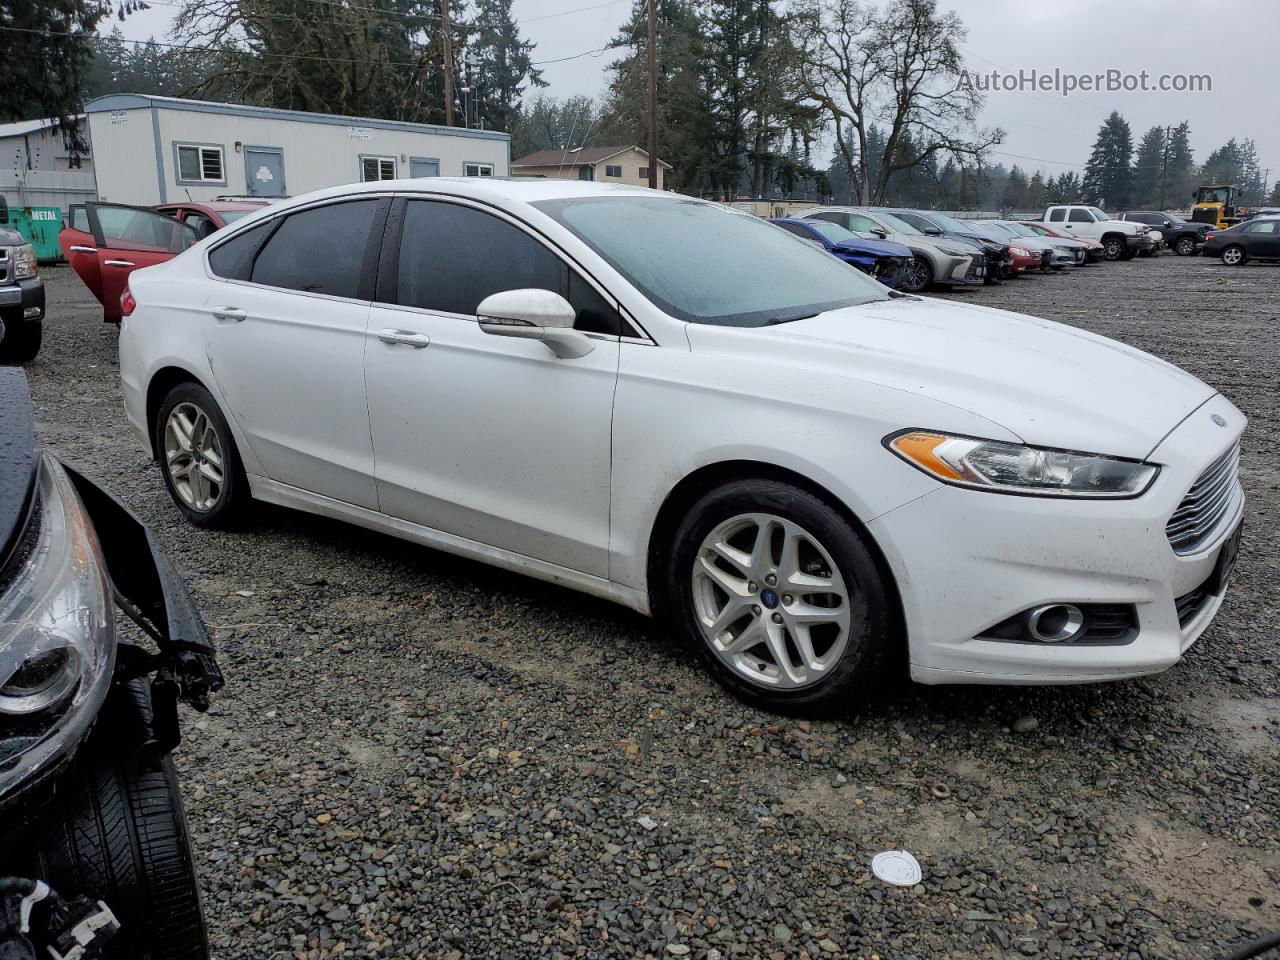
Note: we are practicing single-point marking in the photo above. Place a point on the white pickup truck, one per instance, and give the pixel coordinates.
(1120, 239)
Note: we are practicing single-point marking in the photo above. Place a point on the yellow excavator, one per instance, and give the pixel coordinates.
(1216, 204)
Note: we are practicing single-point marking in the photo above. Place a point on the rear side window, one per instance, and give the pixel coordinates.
(321, 250)
(1057, 216)
(233, 260)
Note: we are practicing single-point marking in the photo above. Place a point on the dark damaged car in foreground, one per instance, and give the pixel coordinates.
(94, 853)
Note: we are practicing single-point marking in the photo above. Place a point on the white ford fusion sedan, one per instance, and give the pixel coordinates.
(687, 410)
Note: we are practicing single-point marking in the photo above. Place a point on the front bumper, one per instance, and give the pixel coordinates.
(967, 270)
(1143, 242)
(146, 587)
(22, 302)
(967, 560)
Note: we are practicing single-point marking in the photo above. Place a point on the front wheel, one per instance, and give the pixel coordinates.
(199, 458)
(919, 275)
(780, 597)
(1234, 256)
(116, 831)
(21, 342)
(1113, 248)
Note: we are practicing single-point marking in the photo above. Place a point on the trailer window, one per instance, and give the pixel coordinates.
(199, 164)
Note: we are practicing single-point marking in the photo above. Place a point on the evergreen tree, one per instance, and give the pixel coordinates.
(502, 64)
(1181, 177)
(1037, 193)
(1108, 176)
(1014, 195)
(1150, 168)
(1274, 199)
(1236, 163)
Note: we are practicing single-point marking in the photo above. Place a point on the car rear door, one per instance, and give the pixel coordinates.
(77, 245)
(126, 239)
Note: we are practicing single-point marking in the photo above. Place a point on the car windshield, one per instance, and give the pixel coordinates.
(897, 224)
(946, 223)
(985, 229)
(1019, 229)
(1099, 214)
(704, 263)
(833, 231)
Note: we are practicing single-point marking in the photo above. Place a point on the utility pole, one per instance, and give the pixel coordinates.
(1164, 166)
(653, 94)
(446, 49)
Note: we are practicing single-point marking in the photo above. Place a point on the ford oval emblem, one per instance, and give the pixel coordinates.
(1219, 420)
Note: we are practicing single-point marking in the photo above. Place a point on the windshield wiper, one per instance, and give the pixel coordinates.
(774, 321)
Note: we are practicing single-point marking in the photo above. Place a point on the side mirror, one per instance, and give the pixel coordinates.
(534, 315)
(933, 231)
(882, 234)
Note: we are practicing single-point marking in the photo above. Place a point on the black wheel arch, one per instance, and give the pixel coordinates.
(706, 478)
(164, 380)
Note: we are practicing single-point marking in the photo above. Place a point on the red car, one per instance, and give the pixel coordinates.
(1093, 251)
(105, 242)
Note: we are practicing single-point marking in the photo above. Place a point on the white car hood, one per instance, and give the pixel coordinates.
(1051, 384)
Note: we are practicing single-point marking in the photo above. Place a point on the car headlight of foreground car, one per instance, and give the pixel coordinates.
(57, 634)
(1000, 467)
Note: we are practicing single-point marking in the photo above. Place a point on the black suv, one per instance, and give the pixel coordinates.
(21, 295)
(1181, 236)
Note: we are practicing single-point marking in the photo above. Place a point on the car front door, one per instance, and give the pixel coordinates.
(285, 338)
(1081, 223)
(124, 239)
(492, 439)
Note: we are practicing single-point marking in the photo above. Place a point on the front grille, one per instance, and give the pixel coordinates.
(1214, 495)
(5, 264)
(1191, 603)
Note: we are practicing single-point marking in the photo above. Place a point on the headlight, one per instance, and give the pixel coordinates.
(24, 262)
(1013, 468)
(1019, 251)
(57, 634)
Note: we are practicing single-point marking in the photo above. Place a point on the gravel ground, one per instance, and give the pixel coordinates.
(418, 756)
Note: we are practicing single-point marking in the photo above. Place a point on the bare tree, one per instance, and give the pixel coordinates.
(899, 67)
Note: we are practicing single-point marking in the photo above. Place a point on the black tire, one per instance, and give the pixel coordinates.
(1234, 255)
(1113, 248)
(21, 341)
(873, 618)
(233, 496)
(920, 277)
(1185, 246)
(115, 831)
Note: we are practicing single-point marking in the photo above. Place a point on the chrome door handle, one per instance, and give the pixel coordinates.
(230, 314)
(407, 337)
(119, 263)
(77, 248)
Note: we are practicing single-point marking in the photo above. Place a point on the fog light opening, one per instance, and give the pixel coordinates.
(32, 313)
(1055, 622)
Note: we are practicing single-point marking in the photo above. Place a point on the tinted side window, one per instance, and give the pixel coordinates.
(795, 228)
(840, 218)
(594, 313)
(1057, 216)
(233, 260)
(319, 251)
(452, 257)
(1081, 216)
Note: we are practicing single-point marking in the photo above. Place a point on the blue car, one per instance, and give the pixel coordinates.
(883, 259)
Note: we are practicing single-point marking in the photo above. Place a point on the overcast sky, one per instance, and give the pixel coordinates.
(1078, 36)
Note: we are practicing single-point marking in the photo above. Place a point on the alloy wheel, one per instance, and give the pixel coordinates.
(770, 601)
(1232, 256)
(1186, 247)
(193, 457)
(1112, 249)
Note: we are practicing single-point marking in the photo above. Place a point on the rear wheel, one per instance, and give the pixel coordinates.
(199, 458)
(1185, 246)
(21, 341)
(779, 597)
(1234, 256)
(116, 831)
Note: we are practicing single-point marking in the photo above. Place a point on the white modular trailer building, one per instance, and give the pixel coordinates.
(150, 150)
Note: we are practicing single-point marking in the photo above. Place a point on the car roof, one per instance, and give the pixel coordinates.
(221, 206)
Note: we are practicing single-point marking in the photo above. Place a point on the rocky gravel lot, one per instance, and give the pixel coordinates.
(417, 756)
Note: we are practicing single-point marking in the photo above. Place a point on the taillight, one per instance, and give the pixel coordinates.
(127, 303)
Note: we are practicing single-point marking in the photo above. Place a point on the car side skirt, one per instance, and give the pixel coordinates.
(284, 495)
